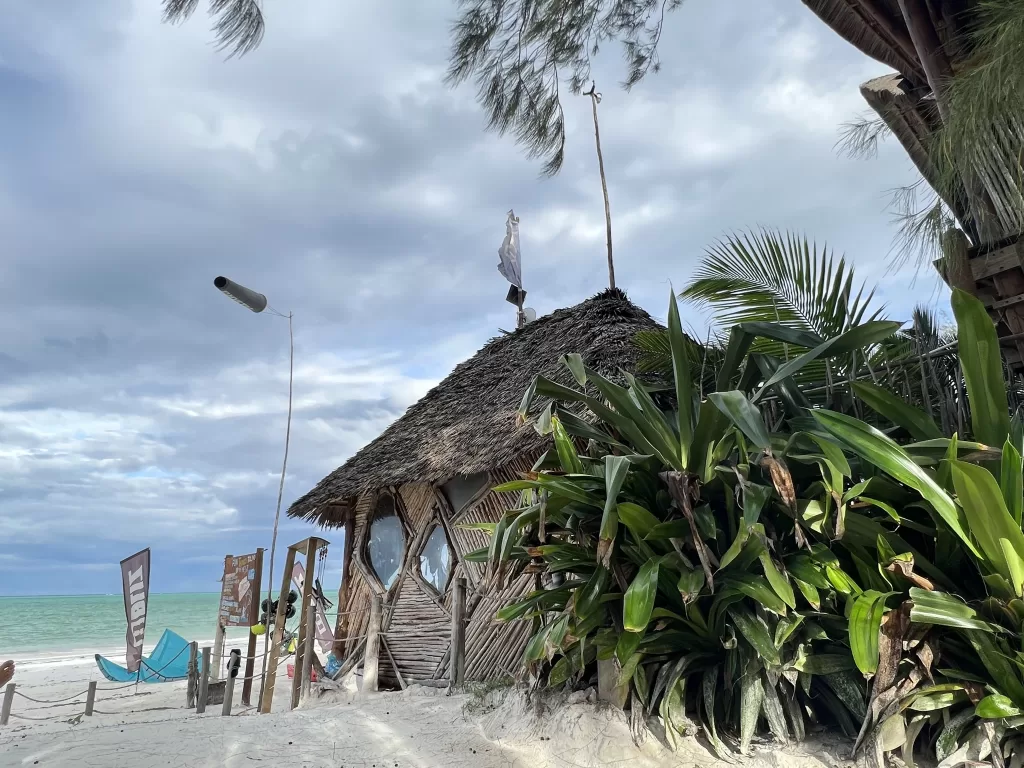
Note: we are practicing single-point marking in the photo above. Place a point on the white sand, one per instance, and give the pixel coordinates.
(417, 728)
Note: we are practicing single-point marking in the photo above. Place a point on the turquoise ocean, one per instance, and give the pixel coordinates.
(80, 625)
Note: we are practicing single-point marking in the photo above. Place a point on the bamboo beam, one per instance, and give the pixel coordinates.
(458, 657)
(371, 659)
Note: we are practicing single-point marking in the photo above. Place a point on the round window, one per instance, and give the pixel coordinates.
(386, 544)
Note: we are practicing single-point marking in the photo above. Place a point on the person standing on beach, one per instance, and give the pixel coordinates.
(6, 673)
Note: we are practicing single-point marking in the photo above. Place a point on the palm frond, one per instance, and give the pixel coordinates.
(768, 276)
(238, 24)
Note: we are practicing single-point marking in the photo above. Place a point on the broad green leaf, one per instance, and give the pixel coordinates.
(578, 427)
(778, 580)
(945, 610)
(874, 447)
(652, 438)
(690, 584)
(982, 364)
(856, 338)
(567, 455)
(823, 663)
(575, 364)
(998, 534)
(627, 645)
(683, 382)
(711, 426)
(1005, 677)
(997, 706)
(757, 589)
(588, 598)
(751, 700)
(865, 621)
(744, 415)
(561, 486)
(673, 529)
(637, 519)
(622, 422)
(1011, 481)
(616, 468)
(639, 600)
(756, 633)
(920, 425)
(754, 498)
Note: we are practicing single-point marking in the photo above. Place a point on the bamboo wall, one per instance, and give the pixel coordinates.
(417, 620)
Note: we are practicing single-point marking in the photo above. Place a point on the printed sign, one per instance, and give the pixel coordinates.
(324, 635)
(240, 591)
(135, 581)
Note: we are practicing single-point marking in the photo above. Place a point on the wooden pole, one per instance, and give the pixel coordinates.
(371, 657)
(5, 713)
(267, 699)
(90, 699)
(229, 694)
(204, 681)
(193, 675)
(458, 659)
(595, 99)
(312, 606)
(304, 644)
(341, 625)
(254, 616)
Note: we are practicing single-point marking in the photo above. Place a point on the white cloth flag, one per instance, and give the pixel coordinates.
(509, 252)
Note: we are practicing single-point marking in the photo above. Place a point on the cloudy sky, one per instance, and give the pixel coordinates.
(334, 171)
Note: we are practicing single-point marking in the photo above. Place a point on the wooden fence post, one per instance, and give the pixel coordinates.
(457, 664)
(5, 713)
(90, 699)
(193, 675)
(204, 681)
(218, 652)
(303, 645)
(250, 653)
(371, 656)
(229, 694)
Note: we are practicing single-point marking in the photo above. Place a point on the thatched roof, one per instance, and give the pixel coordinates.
(877, 28)
(911, 114)
(467, 423)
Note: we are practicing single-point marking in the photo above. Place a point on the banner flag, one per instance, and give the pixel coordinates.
(135, 581)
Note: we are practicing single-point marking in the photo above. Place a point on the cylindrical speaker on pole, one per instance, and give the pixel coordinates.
(257, 302)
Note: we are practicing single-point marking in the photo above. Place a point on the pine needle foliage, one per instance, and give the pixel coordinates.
(521, 53)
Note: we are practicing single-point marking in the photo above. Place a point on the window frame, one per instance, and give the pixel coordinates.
(363, 550)
(475, 499)
(434, 523)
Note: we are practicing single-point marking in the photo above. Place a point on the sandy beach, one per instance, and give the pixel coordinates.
(419, 727)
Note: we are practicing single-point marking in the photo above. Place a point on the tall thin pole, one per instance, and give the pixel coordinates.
(595, 99)
(280, 494)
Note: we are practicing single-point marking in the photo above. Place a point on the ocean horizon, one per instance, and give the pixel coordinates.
(74, 625)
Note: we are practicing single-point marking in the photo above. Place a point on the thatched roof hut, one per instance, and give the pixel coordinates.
(403, 498)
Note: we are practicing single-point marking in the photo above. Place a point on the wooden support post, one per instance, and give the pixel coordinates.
(275, 645)
(303, 645)
(5, 713)
(218, 652)
(343, 648)
(305, 664)
(90, 699)
(457, 672)
(229, 694)
(193, 675)
(204, 681)
(371, 657)
(254, 615)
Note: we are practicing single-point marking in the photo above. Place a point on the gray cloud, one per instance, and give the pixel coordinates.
(333, 170)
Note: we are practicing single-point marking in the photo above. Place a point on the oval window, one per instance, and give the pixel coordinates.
(436, 559)
(386, 544)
